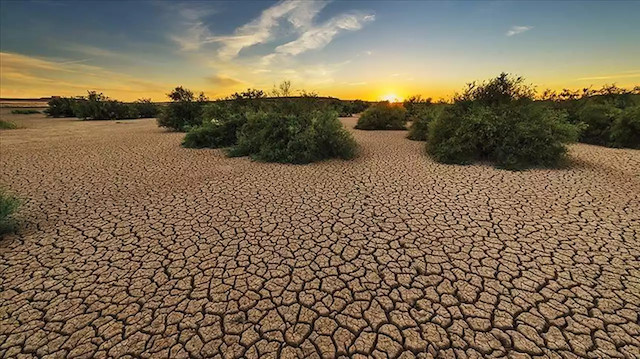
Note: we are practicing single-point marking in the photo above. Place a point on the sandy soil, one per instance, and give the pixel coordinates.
(134, 246)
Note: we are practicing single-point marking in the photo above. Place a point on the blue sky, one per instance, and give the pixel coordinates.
(349, 49)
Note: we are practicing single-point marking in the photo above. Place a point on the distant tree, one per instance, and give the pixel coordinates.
(285, 88)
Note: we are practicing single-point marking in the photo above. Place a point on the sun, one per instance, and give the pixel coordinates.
(391, 97)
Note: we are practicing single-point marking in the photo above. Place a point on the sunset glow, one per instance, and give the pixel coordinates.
(391, 98)
(345, 49)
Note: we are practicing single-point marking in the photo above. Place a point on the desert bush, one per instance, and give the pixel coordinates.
(24, 112)
(625, 131)
(383, 116)
(144, 108)
(7, 125)
(97, 106)
(498, 121)
(419, 129)
(596, 109)
(598, 118)
(220, 124)
(183, 112)
(294, 137)
(415, 106)
(61, 107)
(8, 205)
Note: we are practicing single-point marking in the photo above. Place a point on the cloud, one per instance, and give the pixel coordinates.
(257, 31)
(28, 76)
(628, 74)
(317, 37)
(299, 15)
(515, 30)
(223, 81)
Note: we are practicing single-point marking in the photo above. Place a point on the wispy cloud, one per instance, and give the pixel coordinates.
(260, 30)
(317, 37)
(223, 81)
(32, 76)
(632, 74)
(284, 18)
(515, 30)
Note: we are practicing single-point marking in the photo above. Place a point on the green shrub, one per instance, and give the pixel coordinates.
(419, 129)
(383, 116)
(97, 106)
(416, 106)
(183, 112)
(61, 107)
(598, 118)
(8, 205)
(294, 137)
(7, 125)
(24, 112)
(625, 131)
(499, 122)
(144, 108)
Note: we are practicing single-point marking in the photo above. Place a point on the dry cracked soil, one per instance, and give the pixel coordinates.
(131, 246)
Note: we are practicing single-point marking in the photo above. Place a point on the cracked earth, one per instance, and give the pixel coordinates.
(131, 246)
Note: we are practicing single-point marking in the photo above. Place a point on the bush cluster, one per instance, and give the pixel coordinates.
(183, 112)
(383, 116)
(625, 131)
(61, 107)
(608, 115)
(499, 121)
(289, 130)
(294, 137)
(96, 106)
(24, 112)
(220, 124)
(8, 205)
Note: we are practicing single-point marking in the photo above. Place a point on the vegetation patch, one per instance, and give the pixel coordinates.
(8, 206)
(419, 129)
(7, 125)
(24, 112)
(498, 121)
(608, 115)
(61, 107)
(97, 106)
(625, 131)
(383, 116)
(184, 111)
(294, 137)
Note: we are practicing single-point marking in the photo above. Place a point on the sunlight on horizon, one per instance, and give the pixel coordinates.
(391, 97)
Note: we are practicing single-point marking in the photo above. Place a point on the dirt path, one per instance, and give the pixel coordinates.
(132, 245)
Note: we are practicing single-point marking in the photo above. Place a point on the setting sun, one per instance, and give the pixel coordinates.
(391, 97)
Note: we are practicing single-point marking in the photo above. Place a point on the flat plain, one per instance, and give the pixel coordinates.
(131, 245)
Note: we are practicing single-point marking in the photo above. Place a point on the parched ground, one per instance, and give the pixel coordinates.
(133, 246)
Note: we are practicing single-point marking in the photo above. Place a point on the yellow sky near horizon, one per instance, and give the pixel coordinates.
(23, 76)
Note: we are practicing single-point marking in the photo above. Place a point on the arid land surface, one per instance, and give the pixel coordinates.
(130, 245)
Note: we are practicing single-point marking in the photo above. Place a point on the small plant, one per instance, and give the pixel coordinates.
(184, 111)
(24, 112)
(294, 137)
(498, 121)
(383, 116)
(625, 131)
(61, 107)
(7, 125)
(8, 205)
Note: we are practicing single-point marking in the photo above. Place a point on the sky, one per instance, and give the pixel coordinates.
(348, 49)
